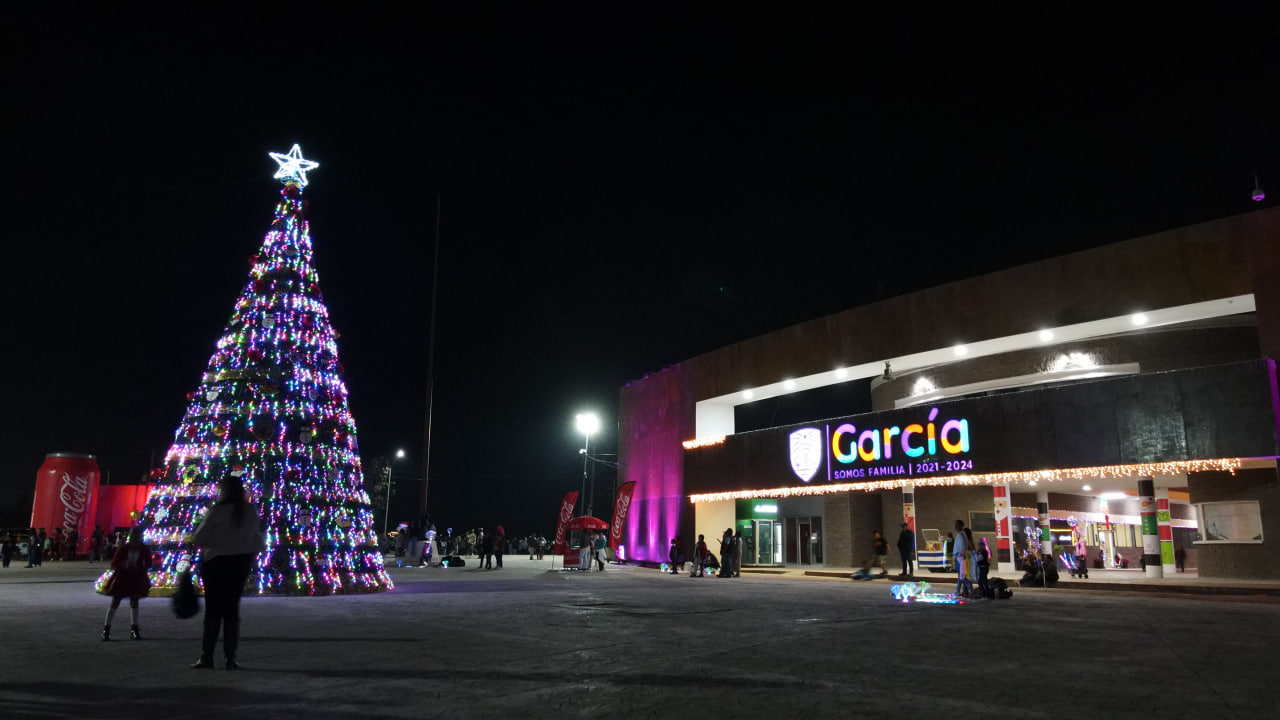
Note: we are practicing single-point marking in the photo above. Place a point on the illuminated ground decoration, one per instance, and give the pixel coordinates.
(928, 453)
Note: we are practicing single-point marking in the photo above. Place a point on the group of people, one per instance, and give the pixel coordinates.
(728, 565)
(416, 545)
(592, 551)
(59, 546)
(971, 560)
(229, 538)
(420, 546)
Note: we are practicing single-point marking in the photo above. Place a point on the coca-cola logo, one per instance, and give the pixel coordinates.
(74, 495)
(620, 515)
(566, 512)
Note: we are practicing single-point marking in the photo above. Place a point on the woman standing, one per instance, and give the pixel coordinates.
(129, 580)
(984, 569)
(229, 538)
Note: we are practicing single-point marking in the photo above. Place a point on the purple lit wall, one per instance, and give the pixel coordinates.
(657, 414)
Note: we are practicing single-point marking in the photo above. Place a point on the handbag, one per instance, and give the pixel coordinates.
(186, 603)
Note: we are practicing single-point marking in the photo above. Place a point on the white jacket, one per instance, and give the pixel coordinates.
(218, 534)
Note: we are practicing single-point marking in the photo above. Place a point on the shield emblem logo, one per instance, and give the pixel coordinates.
(806, 453)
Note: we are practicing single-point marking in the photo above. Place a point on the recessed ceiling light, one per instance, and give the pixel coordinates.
(960, 350)
(1046, 335)
(789, 384)
(747, 394)
(1087, 488)
(1139, 318)
(842, 373)
(1113, 496)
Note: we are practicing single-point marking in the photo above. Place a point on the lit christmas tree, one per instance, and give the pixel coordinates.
(272, 409)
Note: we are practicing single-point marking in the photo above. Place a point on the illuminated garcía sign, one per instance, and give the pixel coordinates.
(935, 446)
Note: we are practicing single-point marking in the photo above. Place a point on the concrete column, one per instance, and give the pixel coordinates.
(1165, 525)
(1004, 532)
(1150, 528)
(1046, 535)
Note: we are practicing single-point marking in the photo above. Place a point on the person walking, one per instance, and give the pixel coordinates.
(95, 544)
(7, 550)
(699, 557)
(230, 538)
(726, 554)
(499, 545)
(33, 549)
(1082, 557)
(960, 552)
(486, 551)
(879, 553)
(598, 544)
(129, 579)
(983, 552)
(73, 540)
(907, 549)
(675, 556)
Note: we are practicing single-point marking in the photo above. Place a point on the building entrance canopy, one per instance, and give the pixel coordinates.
(1176, 422)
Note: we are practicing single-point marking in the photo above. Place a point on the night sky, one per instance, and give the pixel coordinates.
(620, 191)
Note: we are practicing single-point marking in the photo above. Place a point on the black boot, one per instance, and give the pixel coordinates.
(204, 663)
(231, 641)
(133, 632)
(106, 633)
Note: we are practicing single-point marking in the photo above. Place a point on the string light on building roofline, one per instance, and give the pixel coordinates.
(703, 442)
(293, 167)
(1010, 478)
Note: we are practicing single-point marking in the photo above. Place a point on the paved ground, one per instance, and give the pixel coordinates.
(527, 642)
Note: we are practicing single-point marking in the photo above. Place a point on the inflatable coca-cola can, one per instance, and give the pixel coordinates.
(66, 496)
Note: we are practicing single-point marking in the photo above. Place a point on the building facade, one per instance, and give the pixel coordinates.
(1124, 395)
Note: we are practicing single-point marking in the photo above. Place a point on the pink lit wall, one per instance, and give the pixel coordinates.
(657, 414)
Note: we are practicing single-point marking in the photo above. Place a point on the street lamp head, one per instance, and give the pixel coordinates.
(399, 453)
(587, 423)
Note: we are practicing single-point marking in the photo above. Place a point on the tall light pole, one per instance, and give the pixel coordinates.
(587, 423)
(387, 518)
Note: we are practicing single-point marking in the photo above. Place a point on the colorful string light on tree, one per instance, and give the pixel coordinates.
(271, 409)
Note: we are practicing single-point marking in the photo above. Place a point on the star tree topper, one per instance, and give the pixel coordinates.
(293, 167)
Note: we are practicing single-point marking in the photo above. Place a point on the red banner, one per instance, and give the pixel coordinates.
(621, 504)
(566, 514)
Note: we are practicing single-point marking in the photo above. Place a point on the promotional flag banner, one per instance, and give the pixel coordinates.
(621, 504)
(566, 514)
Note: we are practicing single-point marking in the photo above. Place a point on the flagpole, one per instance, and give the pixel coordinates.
(431, 358)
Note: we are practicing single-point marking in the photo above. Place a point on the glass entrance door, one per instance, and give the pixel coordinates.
(762, 543)
(804, 544)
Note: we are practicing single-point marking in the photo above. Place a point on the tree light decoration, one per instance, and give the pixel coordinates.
(271, 409)
(293, 167)
(1008, 478)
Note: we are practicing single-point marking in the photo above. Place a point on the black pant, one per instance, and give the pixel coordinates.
(224, 579)
(907, 566)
